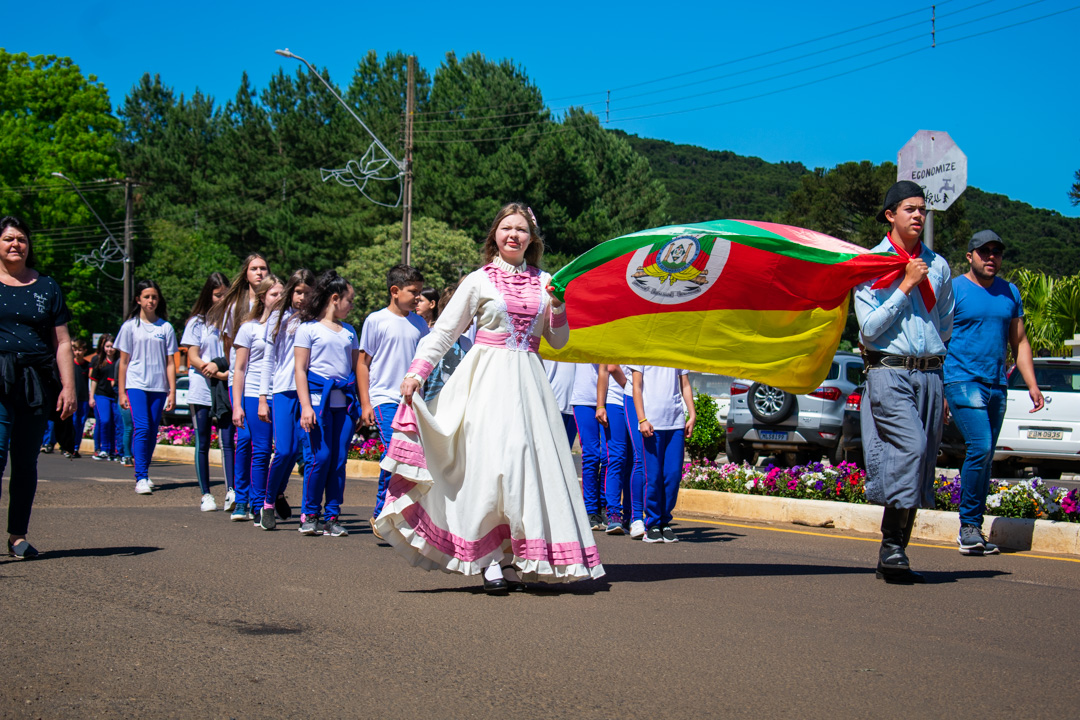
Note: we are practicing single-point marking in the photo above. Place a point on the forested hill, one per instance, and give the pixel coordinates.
(711, 184)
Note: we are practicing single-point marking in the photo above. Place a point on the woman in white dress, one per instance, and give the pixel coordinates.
(482, 477)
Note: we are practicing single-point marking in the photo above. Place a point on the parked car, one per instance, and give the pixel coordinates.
(950, 453)
(1049, 440)
(180, 413)
(800, 428)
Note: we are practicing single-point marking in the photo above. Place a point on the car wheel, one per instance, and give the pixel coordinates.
(737, 452)
(769, 405)
(1047, 473)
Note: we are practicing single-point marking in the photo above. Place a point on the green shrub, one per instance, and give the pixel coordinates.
(708, 438)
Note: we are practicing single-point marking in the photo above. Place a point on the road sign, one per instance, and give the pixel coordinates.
(933, 160)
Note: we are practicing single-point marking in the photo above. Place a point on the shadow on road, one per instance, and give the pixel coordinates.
(680, 571)
(129, 550)
(706, 535)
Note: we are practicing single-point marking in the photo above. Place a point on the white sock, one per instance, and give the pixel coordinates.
(493, 572)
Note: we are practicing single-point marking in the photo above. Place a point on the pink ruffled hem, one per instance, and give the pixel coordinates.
(406, 452)
(405, 419)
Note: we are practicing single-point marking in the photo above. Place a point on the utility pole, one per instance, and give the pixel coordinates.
(406, 219)
(129, 205)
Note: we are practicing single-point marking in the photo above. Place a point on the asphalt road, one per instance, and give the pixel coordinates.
(143, 607)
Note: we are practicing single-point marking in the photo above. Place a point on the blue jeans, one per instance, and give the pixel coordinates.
(384, 417)
(254, 444)
(663, 472)
(128, 432)
(616, 463)
(289, 441)
(978, 410)
(592, 455)
(637, 465)
(200, 419)
(108, 426)
(329, 452)
(21, 433)
(78, 421)
(146, 407)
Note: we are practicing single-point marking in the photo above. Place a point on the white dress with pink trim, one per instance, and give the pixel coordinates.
(483, 472)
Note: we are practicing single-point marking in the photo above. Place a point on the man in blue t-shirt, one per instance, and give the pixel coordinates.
(989, 318)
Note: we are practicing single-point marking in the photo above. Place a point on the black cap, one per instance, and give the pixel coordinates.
(984, 237)
(899, 191)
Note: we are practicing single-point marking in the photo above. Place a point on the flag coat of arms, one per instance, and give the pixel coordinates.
(744, 298)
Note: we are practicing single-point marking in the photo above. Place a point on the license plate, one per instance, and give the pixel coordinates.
(1044, 434)
(772, 435)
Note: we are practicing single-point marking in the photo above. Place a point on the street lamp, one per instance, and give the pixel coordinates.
(403, 167)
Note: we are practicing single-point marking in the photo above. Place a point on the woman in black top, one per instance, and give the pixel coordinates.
(108, 426)
(36, 371)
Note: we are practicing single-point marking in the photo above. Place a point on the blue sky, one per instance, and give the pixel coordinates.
(1008, 98)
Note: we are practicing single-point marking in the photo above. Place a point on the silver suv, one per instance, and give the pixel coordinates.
(799, 428)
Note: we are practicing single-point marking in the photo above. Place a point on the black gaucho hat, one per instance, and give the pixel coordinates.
(984, 237)
(899, 191)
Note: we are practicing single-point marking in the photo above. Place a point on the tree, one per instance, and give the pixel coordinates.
(1074, 193)
(1051, 308)
(181, 261)
(55, 119)
(442, 254)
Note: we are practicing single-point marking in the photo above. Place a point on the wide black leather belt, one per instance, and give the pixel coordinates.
(904, 362)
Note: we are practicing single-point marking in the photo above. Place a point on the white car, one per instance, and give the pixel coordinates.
(1049, 439)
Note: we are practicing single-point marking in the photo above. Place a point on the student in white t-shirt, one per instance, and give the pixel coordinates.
(387, 345)
(203, 344)
(146, 377)
(612, 418)
(327, 357)
(583, 401)
(561, 377)
(226, 317)
(279, 373)
(659, 396)
(251, 412)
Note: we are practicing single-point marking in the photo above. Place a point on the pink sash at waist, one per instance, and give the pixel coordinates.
(505, 340)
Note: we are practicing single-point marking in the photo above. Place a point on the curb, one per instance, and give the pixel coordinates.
(354, 470)
(935, 525)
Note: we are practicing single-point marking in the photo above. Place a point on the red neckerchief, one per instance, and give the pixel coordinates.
(925, 288)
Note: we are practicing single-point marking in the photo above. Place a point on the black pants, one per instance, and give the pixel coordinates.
(21, 432)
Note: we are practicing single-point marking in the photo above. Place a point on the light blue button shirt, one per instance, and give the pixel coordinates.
(892, 322)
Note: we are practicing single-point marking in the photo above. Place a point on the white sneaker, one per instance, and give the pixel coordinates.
(150, 483)
(637, 528)
(208, 504)
(230, 501)
(142, 487)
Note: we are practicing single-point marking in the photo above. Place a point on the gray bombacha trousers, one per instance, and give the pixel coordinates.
(902, 414)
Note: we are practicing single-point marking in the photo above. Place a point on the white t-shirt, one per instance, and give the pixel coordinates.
(391, 342)
(561, 377)
(585, 377)
(279, 362)
(614, 390)
(331, 355)
(661, 396)
(208, 340)
(150, 347)
(252, 335)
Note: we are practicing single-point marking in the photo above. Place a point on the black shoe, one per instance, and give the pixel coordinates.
(496, 587)
(267, 521)
(281, 506)
(653, 535)
(596, 522)
(22, 551)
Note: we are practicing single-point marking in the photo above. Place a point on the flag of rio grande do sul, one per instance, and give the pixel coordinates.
(749, 299)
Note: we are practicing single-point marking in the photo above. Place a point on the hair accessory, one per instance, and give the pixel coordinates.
(533, 216)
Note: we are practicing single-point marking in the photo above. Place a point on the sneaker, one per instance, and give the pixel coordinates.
(334, 528)
(653, 535)
(614, 528)
(596, 522)
(67, 455)
(374, 530)
(637, 529)
(972, 542)
(320, 525)
(668, 534)
(150, 483)
(240, 513)
(267, 521)
(143, 488)
(102, 455)
(128, 461)
(309, 525)
(230, 500)
(207, 504)
(77, 454)
(281, 506)
(46, 449)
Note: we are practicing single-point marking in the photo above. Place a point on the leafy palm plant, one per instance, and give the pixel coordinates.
(1051, 308)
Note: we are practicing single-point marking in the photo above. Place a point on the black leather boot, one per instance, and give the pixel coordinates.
(892, 560)
(911, 576)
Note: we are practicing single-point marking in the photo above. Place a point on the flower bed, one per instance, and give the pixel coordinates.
(184, 436)
(846, 483)
(368, 450)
